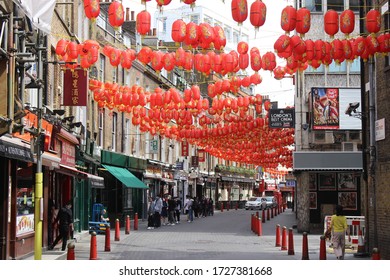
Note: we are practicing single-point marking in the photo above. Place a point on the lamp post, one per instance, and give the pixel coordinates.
(38, 211)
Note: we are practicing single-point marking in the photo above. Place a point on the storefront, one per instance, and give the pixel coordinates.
(125, 193)
(325, 179)
(17, 198)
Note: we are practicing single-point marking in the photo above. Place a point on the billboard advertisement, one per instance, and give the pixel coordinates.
(336, 108)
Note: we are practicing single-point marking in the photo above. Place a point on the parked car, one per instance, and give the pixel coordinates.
(270, 201)
(256, 203)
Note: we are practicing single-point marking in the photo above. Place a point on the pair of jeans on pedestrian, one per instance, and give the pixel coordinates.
(190, 216)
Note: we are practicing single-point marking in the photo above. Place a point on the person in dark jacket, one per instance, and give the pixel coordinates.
(65, 224)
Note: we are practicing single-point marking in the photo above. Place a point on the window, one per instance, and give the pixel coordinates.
(208, 20)
(386, 19)
(314, 5)
(194, 19)
(337, 5)
(115, 75)
(354, 5)
(162, 25)
(101, 21)
(102, 68)
(227, 33)
(236, 37)
(320, 69)
(113, 131)
(337, 67)
(354, 66)
(101, 126)
(127, 137)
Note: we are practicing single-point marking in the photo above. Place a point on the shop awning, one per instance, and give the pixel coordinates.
(15, 148)
(72, 171)
(125, 176)
(97, 182)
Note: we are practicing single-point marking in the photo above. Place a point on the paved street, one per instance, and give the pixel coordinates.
(224, 236)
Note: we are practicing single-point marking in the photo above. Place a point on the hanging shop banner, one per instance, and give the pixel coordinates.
(30, 120)
(184, 149)
(75, 87)
(336, 108)
(195, 161)
(281, 118)
(201, 155)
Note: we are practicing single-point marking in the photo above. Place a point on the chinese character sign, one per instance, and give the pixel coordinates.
(202, 155)
(184, 149)
(75, 88)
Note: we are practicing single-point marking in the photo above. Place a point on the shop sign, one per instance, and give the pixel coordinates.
(201, 155)
(75, 87)
(68, 154)
(184, 149)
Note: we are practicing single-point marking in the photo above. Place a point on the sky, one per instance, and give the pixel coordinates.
(278, 90)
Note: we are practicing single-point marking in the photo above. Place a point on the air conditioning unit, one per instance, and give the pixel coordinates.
(349, 146)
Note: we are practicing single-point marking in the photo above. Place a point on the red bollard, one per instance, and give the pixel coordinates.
(107, 245)
(136, 221)
(93, 248)
(263, 216)
(284, 239)
(252, 222)
(322, 248)
(276, 211)
(127, 228)
(277, 241)
(221, 206)
(375, 254)
(305, 247)
(268, 218)
(228, 206)
(255, 226)
(70, 254)
(272, 213)
(260, 228)
(117, 230)
(290, 242)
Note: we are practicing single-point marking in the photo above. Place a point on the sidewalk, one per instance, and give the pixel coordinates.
(226, 235)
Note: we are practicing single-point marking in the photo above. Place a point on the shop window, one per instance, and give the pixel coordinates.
(25, 210)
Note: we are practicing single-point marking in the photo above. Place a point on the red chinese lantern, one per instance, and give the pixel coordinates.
(258, 13)
(372, 44)
(348, 52)
(115, 57)
(298, 45)
(288, 19)
(373, 21)
(255, 59)
(72, 50)
(359, 46)
(268, 61)
(319, 48)
(242, 47)
(145, 55)
(303, 21)
(169, 61)
(161, 3)
(220, 38)
(190, 2)
(180, 57)
(331, 25)
(384, 43)
(347, 22)
(282, 43)
(143, 22)
(206, 35)
(61, 47)
(157, 60)
(239, 10)
(246, 81)
(338, 50)
(279, 72)
(309, 50)
(243, 61)
(116, 14)
(192, 34)
(178, 31)
(256, 79)
(92, 9)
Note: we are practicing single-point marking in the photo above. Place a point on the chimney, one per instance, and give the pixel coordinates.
(132, 15)
(154, 31)
(127, 14)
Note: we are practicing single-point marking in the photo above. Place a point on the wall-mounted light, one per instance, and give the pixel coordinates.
(76, 124)
(68, 119)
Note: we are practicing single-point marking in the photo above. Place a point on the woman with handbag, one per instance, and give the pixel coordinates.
(339, 227)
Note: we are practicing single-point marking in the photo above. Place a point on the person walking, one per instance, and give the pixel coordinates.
(339, 229)
(151, 221)
(157, 211)
(171, 211)
(177, 210)
(188, 208)
(65, 225)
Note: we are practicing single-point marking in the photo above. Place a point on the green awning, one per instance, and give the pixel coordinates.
(125, 176)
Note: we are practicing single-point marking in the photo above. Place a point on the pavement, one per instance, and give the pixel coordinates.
(226, 235)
